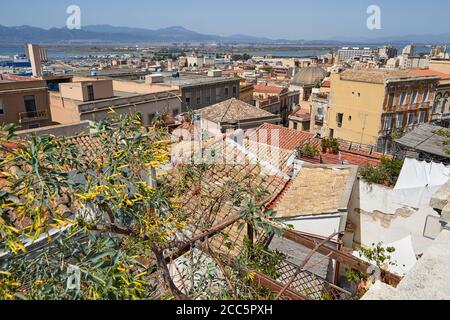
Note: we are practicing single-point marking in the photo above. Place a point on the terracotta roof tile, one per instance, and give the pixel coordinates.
(429, 72)
(268, 89)
(282, 137)
(314, 191)
(233, 110)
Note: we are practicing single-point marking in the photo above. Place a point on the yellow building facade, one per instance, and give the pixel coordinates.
(368, 106)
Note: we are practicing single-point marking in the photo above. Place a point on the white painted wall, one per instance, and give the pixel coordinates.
(323, 225)
(377, 218)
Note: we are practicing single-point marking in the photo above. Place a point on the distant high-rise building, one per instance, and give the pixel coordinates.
(409, 50)
(345, 53)
(36, 55)
(387, 52)
(439, 52)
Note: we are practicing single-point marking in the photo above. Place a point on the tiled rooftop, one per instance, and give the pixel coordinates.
(379, 76)
(303, 114)
(268, 89)
(317, 190)
(233, 110)
(282, 137)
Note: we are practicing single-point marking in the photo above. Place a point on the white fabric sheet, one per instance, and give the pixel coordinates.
(418, 181)
(403, 258)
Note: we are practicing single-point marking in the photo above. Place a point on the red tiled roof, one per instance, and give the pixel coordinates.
(428, 72)
(268, 89)
(326, 84)
(282, 137)
(302, 113)
(352, 157)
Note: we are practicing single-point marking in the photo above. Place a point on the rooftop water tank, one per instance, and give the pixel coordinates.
(94, 73)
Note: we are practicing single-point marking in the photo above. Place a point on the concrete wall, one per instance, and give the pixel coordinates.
(134, 87)
(323, 225)
(440, 65)
(103, 89)
(147, 108)
(373, 226)
(201, 96)
(69, 130)
(64, 111)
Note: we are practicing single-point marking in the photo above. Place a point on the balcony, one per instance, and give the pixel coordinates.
(319, 119)
(26, 117)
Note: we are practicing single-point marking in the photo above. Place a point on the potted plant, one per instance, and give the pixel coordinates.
(309, 151)
(334, 146)
(325, 144)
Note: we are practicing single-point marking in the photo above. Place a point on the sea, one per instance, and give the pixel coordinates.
(61, 53)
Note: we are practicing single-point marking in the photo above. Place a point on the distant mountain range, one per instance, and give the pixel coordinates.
(177, 34)
(111, 34)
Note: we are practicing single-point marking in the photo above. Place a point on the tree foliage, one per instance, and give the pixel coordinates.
(78, 225)
(386, 173)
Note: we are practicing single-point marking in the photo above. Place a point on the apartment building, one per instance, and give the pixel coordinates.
(277, 100)
(441, 105)
(346, 53)
(24, 102)
(93, 100)
(195, 90)
(246, 91)
(368, 106)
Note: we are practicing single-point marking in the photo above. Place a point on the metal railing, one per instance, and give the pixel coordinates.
(33, 116)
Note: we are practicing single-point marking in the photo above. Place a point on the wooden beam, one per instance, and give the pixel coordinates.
(339, 256)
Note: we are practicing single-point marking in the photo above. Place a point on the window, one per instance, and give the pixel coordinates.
(2, 108)
(339, 119)
(414, 97)
(30, 104)
(399, 123)
(435, 106)
(234, 91)
(90, 90)
(188, 102)
(411, 119)
(426, 93)
(444, 105)
(350, 118)
(403, 98)
(422, 116)
(391, 99)
(199, 101)
(295, 125)
(218, 94)
(388, 122)
(227, 92)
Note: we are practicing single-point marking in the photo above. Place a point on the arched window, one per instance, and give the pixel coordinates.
(444, 105)
(437, 101)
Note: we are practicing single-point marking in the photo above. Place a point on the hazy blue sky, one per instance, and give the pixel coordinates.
(288, 19)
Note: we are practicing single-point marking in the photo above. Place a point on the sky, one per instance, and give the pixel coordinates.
(276, 19)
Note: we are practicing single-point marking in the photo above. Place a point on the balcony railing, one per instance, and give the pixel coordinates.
(25, 117)
(319, 119)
